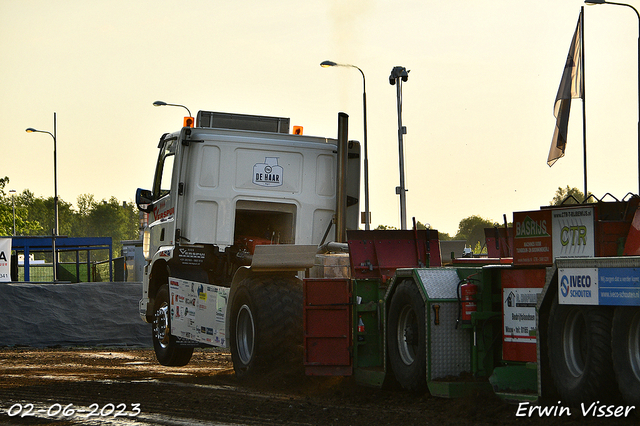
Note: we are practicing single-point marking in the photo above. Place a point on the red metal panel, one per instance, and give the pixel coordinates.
(499, 242)
(327, 326)
(632, 245)
(610, 238)
(377, 254)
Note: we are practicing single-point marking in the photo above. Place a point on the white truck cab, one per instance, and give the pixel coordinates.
(236, 202)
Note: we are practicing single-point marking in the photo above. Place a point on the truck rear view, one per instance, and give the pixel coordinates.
(237, 210)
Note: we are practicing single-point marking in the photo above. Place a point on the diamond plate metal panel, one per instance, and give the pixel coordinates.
(439, 283)
(448, 348)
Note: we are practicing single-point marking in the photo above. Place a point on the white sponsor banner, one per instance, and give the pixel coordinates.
(519, 305)
(578, 286)
(5, 259)
(573, 232)
(198, 311)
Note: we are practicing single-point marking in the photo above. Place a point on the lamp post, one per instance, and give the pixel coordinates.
(595, 2)
(55, 191)
(162, 103)
(367, 218)
(13, 202)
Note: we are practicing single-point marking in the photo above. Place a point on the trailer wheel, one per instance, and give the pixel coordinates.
(165, 345)
(625, 343)
(579, 347)
(406, 337)
(266, 326)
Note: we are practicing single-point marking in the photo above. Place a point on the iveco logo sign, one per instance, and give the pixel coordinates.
(575, 285)
(564, 286)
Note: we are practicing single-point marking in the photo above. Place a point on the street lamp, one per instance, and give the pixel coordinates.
(55, 191)
(13, 202)
(367, 218)
(595, 2)
(186, 121)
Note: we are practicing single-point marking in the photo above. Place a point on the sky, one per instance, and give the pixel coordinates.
(478, 104)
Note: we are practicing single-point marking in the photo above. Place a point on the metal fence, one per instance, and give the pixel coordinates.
(74, 273)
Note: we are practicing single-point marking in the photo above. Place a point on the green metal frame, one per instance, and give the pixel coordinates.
(368, 346)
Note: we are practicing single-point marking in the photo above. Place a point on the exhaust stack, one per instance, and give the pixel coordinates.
(341, 181)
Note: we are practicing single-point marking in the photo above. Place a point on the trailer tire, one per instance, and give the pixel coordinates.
(625, 343)
(406, 337)
(579, 347)
(266, 326)
(166, 347)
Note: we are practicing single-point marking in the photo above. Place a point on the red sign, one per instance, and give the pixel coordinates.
(532, 238)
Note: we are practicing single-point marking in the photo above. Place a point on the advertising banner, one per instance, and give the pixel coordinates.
(544, 235)
(573, 232)
(578, 286)
(599, 286)
(198, 311)
(532, 239)
(5, 260)
(619, 286)
(520, 314)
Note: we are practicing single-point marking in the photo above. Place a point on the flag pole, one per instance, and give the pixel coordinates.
(584, 103)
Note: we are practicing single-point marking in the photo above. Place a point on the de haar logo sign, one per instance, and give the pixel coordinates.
(268, 173)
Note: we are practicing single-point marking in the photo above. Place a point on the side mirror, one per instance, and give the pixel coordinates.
(144, 200)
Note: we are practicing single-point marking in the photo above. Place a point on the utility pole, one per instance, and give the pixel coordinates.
(398, 75)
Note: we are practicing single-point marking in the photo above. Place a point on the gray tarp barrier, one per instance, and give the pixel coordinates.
(83, 314)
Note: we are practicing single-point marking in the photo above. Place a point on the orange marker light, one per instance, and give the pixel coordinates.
(297, 130)
(188, 122)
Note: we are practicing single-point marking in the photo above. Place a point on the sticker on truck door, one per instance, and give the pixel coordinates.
(268, 173)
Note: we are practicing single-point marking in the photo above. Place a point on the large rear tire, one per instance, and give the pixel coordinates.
(406, 337)
(579, 347)
(165, 345)
(625, 342)
(266, 326)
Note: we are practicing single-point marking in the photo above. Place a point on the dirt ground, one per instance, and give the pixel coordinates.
(127, 387)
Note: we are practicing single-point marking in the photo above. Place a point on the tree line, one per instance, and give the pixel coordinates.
(90, 218)
(120, 220)
(471, 229)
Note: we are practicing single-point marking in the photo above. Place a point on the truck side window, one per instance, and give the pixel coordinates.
(164, 170)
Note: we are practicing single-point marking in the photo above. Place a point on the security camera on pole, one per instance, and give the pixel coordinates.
(398, 75)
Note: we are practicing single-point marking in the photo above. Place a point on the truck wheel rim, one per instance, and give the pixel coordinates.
(575, 343)
(407, 335)
(245, 334)
(161, 323)
(634, 345)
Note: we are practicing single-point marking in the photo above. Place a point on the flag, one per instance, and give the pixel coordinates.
(571, 86)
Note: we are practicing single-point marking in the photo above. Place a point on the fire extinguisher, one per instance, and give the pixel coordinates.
(360, 329)
(466, 301)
